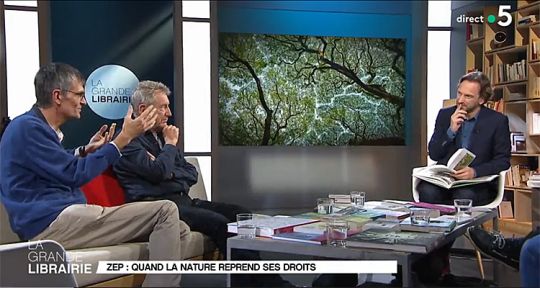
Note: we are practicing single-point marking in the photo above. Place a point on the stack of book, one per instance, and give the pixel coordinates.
(340, 198)
(534, 181)
(268, 226)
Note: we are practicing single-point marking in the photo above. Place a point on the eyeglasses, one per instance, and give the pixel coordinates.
(78, 94)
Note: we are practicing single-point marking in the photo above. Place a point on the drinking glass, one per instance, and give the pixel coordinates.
(325, 205)
(336, 232)
(358, 199)
(420, 216)
(463, 209)
(246, 227)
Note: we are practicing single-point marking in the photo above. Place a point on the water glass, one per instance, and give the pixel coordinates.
(420, 216)
(245, 225)
(336, 232)
(325, 205)
(463, 209)
(358, 199)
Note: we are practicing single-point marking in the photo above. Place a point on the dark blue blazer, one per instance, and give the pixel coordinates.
(489, 141)
(142, 177)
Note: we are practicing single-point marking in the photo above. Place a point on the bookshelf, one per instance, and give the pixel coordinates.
(513, 66)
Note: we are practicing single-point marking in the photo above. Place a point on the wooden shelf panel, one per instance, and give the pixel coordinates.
(475, 41)
(511, 226)
(524, 188)
(512, 83)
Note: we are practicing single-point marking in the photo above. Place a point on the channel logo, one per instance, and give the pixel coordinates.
(503, 14)
(109, 89)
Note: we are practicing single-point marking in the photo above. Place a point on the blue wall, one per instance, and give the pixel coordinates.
(135, 34)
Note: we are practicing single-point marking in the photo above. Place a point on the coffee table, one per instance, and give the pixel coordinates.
(405, 259)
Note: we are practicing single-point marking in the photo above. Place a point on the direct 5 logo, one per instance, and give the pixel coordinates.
(504, 15)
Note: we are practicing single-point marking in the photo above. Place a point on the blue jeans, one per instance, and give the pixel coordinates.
(529, 263)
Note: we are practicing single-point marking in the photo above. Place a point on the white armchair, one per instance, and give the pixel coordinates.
(492, 205)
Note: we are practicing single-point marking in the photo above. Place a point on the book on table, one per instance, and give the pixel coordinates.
(301, 237)
(361, 213)
(414, 242)
(441, 175)
(434, 225)
(268, 226)
(319, 228)
(443, 209)
(382, 224)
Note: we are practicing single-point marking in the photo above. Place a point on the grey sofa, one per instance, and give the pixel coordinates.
(198, 247)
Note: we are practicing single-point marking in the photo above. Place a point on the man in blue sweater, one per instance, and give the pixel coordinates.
(40, 180)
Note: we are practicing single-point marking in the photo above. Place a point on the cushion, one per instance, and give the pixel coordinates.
(104, 190)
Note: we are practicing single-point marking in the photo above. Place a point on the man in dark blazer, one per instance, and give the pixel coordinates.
(153, 168)
(481, 130)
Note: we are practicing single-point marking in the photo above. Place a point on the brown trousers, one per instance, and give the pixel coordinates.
(84, 226)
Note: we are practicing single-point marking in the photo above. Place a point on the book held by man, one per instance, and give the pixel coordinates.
(441, 175)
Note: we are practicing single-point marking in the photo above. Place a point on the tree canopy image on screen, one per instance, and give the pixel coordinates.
(310, 90)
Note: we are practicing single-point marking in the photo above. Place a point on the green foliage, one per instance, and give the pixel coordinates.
(304, 90)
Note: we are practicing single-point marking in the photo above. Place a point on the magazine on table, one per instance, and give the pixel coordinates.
(441, 175)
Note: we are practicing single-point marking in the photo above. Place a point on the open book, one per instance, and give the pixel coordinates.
(441, 175)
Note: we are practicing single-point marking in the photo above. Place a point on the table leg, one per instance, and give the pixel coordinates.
(229, 259)
(496, 263)
(406, 273)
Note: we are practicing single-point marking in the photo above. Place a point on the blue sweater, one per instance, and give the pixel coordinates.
(38, 177)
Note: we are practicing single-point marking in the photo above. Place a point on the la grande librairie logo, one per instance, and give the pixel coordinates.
(45, 261)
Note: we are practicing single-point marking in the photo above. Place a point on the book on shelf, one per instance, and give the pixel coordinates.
(534, 49)
(414, 242)
(441, 175)
(527, 19)
(535, 87)
(434, 225)
(311, 238)
(518, 143)
(268, 226)
(535, 127)
(505, 210)
(534, 180)
(519, 174)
